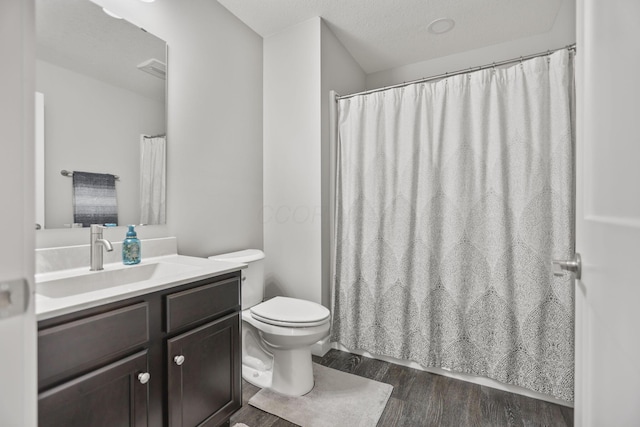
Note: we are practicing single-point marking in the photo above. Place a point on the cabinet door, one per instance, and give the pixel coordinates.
(204, 374)
(107, 397)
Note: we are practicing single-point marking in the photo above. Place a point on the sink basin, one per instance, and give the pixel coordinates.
(109, 278)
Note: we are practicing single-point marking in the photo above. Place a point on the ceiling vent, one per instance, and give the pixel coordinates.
(154, 67)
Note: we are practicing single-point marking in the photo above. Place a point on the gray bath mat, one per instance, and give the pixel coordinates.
(337, 399)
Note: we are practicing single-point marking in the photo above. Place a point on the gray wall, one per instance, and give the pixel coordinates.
(301, 65)
(214, 128)
(340, 73)
(292, 204)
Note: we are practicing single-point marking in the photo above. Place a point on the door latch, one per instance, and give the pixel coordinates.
(572, 265)
(14, 297)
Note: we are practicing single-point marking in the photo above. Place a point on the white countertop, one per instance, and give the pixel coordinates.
(47, 307)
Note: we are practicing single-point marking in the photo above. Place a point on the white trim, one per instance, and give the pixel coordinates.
(40, 165)
(321, 348)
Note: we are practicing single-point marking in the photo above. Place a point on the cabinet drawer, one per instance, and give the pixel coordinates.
(86, 343)
(202, 303)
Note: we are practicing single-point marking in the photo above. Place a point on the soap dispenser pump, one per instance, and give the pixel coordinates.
(131, 253)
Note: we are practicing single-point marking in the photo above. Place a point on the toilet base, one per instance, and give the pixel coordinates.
(256, 377)
(292, 371)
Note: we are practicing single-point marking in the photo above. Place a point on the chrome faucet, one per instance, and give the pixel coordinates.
(96, 251)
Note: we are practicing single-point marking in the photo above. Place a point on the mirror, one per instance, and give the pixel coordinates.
(103, 86)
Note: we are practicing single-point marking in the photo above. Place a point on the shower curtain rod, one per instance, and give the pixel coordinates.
(455, 73)
(160, 135)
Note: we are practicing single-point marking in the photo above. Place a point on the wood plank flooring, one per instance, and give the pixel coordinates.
(420, 398)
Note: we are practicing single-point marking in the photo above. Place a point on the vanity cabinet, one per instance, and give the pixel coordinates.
(168, 358)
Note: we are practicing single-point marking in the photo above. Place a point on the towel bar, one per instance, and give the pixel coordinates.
(65, 172)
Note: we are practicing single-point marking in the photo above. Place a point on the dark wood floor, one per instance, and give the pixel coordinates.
(423, 399)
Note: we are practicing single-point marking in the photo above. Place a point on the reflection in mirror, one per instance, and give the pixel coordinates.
(103, 86)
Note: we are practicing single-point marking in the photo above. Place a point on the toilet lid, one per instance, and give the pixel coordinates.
(290, 312)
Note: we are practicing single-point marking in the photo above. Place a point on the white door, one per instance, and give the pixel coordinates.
(18, 386)
(608, 213)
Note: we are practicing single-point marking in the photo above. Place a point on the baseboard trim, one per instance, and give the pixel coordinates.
(321, 347)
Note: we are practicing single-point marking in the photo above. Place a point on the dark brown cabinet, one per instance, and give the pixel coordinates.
(169, 358)
(110, 396)
(204, 374)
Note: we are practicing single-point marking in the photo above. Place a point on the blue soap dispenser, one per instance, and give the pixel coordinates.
(131, 248)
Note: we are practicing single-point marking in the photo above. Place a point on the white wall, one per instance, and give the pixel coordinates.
(341, 73)
(562, 34)
(301, 65)
(292, 141)
(92, 126)
(214, 126)
(18, 383)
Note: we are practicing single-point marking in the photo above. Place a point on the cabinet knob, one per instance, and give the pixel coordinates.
(144, 377)
(179, 360)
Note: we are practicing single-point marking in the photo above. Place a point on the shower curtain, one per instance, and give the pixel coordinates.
(452, 198)
(153, 180)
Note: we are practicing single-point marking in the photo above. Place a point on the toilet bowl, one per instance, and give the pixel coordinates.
(287, 342)
(277, 334)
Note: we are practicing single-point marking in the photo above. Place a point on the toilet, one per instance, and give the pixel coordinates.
(277, 334)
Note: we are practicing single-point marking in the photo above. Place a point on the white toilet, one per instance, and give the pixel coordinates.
(277, 334)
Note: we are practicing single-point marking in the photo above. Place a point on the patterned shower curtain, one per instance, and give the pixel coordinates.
(452, 199)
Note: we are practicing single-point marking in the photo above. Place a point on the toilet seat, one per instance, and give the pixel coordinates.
(290, 312)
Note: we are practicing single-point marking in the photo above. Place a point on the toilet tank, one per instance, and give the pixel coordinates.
(252, 287)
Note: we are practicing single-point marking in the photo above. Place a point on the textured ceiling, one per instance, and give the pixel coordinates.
(383, 34)
(78, 35)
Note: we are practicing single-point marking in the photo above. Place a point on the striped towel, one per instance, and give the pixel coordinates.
(94, 198)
